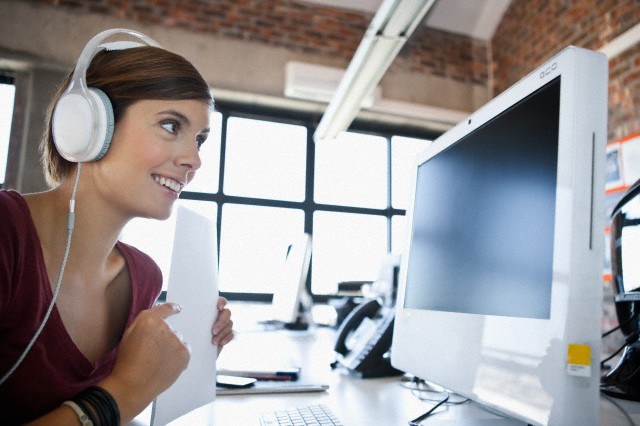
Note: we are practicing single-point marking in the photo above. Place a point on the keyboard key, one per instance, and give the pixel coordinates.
(317, 415)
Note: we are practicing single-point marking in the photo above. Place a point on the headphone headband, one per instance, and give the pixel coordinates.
(94, 46)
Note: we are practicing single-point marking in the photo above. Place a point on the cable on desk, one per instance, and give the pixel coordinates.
(419, 419)
(425, 391)
(419, 386)
(619, 407)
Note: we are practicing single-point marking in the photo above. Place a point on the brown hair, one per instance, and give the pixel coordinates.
(127, 76)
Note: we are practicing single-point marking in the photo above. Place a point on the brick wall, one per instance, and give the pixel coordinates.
(293, 25)
(531, 31)
(297, 26)
(534, 30)
(445, 55)
(624, 94)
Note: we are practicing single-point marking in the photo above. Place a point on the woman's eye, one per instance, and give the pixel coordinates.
(199, 141)
(170, 126)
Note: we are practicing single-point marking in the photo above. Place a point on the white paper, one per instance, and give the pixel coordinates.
(193, 284)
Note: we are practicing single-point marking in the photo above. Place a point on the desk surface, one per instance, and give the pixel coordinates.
(356, 401)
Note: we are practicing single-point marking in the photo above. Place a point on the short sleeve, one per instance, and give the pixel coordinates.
(14, 220)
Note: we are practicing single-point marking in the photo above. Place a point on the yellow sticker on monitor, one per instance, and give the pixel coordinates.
(579, 360)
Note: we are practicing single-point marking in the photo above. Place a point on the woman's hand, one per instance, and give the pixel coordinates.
(150, 359)
(222, 330)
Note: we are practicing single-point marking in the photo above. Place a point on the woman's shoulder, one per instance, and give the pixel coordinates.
(19, 246)
(14, 213)
(140, 259)
(143, 269)
(134, 253)
(12, 203)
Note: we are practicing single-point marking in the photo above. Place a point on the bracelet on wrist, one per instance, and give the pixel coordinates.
(82, 416)
(95, 406)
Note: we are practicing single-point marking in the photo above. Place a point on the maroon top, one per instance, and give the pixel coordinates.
(55, 369)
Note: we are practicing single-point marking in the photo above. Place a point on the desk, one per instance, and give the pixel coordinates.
(356, 401)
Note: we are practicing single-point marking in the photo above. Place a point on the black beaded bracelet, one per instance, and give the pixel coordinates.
(99, 406)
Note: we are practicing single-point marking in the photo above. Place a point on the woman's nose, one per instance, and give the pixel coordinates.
(189, 156)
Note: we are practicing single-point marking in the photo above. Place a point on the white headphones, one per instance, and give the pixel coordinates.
(83, 116)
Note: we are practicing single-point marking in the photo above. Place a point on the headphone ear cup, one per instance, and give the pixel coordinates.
(83, 125)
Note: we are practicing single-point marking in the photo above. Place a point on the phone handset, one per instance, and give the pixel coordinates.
(364, 341)
(353, 320)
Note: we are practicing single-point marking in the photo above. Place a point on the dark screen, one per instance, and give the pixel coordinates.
(483, 221)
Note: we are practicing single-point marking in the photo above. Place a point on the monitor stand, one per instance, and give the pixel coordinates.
(304, 318)
(300, 324)
(624, 380)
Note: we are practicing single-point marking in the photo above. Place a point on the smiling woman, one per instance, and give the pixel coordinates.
(105, 352)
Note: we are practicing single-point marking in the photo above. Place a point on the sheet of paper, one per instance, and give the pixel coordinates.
(193, 283)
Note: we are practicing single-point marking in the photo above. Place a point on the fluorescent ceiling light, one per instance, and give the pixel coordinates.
(390, 28)
(318, 83)
(621, 43)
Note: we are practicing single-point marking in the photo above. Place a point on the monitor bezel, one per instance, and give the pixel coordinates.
(577, 263)
(290, 290)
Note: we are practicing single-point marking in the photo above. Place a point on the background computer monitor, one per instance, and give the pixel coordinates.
(625, 268)
(290, 299)
(501, 283)
(625, 245)
(623, 381)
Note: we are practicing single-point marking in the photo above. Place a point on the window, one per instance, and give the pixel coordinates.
(265, 159)
(7, 96)
(264, 181)
(352, 171)
(404, 152)
(346, 247)
(253, 239)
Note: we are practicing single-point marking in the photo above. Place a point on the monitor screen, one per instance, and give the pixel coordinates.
(484, 216)
(500, 286)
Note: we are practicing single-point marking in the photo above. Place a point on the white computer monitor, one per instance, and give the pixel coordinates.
(290, 298)
(500, 287)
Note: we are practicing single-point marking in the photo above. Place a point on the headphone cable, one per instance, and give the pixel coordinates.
(70, 225)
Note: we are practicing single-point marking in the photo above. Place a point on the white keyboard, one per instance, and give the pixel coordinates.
(301, 416)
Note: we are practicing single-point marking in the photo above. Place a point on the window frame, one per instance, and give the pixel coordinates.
(308, 205)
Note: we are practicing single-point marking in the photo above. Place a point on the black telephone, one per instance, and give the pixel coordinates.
(364, 341)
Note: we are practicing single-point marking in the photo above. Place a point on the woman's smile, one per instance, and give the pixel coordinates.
(169, 183)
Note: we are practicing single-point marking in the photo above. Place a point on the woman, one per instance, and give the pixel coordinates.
(105, 351)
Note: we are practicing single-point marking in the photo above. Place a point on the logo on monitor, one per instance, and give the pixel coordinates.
(546, 71)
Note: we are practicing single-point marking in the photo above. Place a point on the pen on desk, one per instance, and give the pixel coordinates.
(291, 374)
(284, 376)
